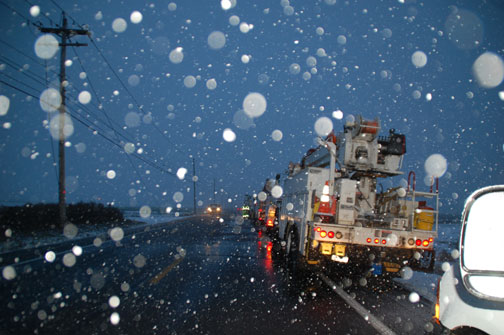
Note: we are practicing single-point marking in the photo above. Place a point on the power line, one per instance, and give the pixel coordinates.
(39, 80)
(18, 81)
(116, 75)
(95, 93)
(17, 67)
(18, 13)
(21, 52)
(64, 11)
(93, 128)
(128, 91)
(105, 112)
(45, 14)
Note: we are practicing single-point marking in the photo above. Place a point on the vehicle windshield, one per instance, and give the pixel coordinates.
(234, 166)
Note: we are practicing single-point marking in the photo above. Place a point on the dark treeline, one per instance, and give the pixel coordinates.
(40, 217)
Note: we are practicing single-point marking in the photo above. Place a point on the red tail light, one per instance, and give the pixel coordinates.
(317, 229)
(376, 241)
(431, 240)
(425, 243)
(418, 242)
(368, 240)
(383, 241)
(323, 233)
(269, 223)
(269, 246)
(330, 234)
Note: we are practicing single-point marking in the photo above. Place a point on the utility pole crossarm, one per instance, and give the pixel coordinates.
(68, 32)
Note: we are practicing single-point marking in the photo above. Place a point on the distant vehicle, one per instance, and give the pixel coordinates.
(245, 211)
(471, 293)
(271, 216)
(267, 209)
(214, 209)
(260, 214)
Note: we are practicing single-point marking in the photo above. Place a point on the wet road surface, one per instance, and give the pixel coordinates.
(196, 276)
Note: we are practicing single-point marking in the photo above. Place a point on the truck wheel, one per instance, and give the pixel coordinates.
(291, 251)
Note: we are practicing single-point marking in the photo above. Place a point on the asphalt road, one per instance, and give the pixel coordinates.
(194, 276)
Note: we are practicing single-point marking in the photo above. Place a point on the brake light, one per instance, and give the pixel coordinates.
(269, 246)
(418, 242)
(323, 233)
(383, 241)
(269, 223)
(368, 240)
(425, 243)
(431, 240)
(317, 229)
(330, 234)
(376, 241)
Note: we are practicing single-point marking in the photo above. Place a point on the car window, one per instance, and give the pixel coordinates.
(482, 238)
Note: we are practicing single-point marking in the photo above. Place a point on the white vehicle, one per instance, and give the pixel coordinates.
(338, 215)
(471, 292)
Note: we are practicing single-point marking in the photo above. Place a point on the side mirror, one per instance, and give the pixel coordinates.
(482, 243)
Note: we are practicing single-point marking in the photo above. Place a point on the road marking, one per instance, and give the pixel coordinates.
(373, 321)
(163, 273)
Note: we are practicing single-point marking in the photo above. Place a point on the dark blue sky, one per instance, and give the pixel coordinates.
(365, 68)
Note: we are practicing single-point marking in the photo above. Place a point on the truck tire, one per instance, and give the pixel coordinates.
(292, 250)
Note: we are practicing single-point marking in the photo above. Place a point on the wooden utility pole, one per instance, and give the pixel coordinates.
(194, 185)
(65, 34)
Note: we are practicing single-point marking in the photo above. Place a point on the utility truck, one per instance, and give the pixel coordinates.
(334, 210)
(267, 211)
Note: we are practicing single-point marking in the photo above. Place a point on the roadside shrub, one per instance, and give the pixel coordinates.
(39, 217)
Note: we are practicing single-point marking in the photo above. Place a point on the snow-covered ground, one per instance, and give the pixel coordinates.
(17, 241)
(446, 245)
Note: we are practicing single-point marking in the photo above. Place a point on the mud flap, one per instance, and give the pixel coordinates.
(391, 267)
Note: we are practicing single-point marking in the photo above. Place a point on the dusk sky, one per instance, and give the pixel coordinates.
(168, 83)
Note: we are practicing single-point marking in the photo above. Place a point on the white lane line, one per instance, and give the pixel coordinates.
(373, 321)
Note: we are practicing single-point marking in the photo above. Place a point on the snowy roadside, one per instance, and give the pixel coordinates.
(425, 284)
(21, 242)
